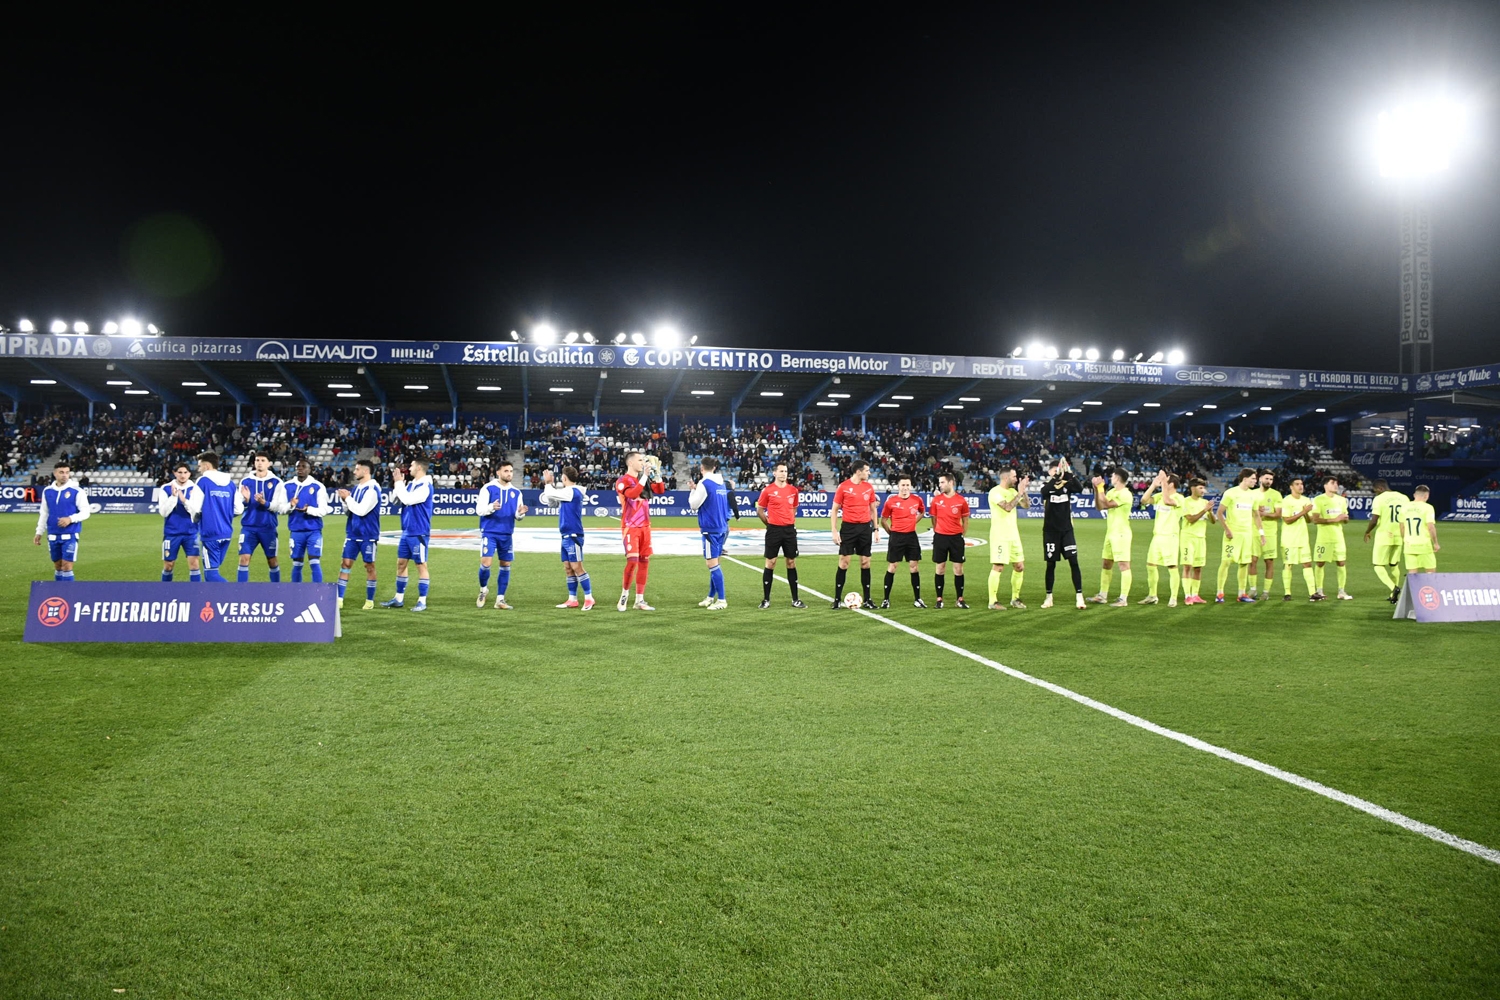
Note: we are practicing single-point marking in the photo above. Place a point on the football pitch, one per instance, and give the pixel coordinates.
(781, 803)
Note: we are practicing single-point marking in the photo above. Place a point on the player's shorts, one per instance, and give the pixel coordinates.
(307, 544)
(713, 543)
(1423, 558)
(1117, 546)
(1296, 555)
(1192, 551)
(171, 545)
(1238, 549)
(497, 546)
(902, 546)
(1267, 549)
(572, 548)
(214, 551)
(63, 548)
(1005, 550)
(262, 538)
(1059, 545)
(1164, 550)
(948, 548)
(413, 547)
(855, 539)
(1387, 550)
(781, 538)
(638, 542)
(1330, 549)
(362, 548)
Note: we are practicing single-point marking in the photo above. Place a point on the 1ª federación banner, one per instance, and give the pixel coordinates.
(83, 611)
(1450, 597)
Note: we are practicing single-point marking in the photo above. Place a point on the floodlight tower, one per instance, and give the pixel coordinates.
(1416, 143)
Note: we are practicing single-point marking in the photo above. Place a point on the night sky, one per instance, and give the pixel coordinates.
(1173, 175)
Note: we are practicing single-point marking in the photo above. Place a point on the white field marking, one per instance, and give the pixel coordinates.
(1353, 801)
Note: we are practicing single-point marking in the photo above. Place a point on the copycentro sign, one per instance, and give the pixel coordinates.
(178, 612)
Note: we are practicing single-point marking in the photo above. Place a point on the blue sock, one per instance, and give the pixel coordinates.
(195, 575)
(422, 586)
(400, 586)
(484, 578)
(296, 570)
(716, 582)
(369, 590)
(242, 575)
(343, 583)
(588, 588)
(211, 575)
(502, 580)
(572, 586)
(317, 571)
(58, 576)
(166, 576)
(276, 574)
(67, 574)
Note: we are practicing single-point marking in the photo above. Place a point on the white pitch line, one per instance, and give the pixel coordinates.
(1353, 801)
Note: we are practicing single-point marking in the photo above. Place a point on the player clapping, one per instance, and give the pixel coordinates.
(568, 499)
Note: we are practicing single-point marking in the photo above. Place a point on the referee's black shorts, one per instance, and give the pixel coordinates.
(947, 548)
(781, 538)
(855, 539)
(902, 546)
(1059, 545)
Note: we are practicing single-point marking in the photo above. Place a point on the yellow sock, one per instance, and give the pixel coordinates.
(1244, 572)
(1105, 576)
(994, 585)
(1343, 575)
(1318, 577)
(1307, 575)
(1150, 581)
(1223, 575)
(1254, 578)
(1286, 578)
(1124, 583)
(1174, 580)
(1385, 577)
(1015, 584)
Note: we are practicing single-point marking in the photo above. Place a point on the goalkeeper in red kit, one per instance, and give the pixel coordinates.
(635, 525)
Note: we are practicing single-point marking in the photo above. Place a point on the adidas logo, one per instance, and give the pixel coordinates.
(312, 614)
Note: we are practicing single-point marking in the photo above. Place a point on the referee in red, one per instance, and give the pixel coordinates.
(899, 518)
(777, 510)
(950, 518)
(855, 499)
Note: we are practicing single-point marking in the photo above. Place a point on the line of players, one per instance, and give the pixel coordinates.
(198, 524)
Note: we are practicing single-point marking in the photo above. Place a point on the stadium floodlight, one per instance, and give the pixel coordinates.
(700, 392)
(1320, 410)
(1016, 409)
(215, 392)
(953, 406)
(838, 395)
(1092, 354)
(116, 381)
(110, 328)
(112, 406)
(1051, 354)
(268, 385)
(903, 398)
(620, 337)
(44, 381)
(1175, 357)
(1138, 357)
(638, 339)
(560, 388)
(1093, 402)
(331, 385)
(1132, 412)
(1156, 358)
(1265, 409)
(1420, 138)
(1018, 352)
(571, 338)
(80, 327)
(544, 334)
(588, 338)
(1033, 401)
(889, 406)
(25, 326)
(130, 327)
(826, 402)
(190, 385)
(692, 340)
(1074, 353)
(1151, 404)
(1205, 406)
(1075, 409)
(515, 335)
(283, 393)
(666, 335)
(151, 328)
(773, 393)
(1035, 349)
(1118, 355)
(632, 392)
(485, 388)
(347, 395)
(143, 392)
(968, 399)
(414, 388)
(59, 326)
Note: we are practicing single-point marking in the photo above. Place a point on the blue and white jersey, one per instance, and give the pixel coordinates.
(363, 509)
(710, 499)
(216, 502)
(304, 502)
(502, 520)
(569, 503)
(177, 518)
(260, 515)
(415, 496)
(68, 500)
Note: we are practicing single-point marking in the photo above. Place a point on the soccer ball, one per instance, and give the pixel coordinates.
(852, 601)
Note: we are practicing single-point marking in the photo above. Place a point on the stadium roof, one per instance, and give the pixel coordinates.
(699, 382)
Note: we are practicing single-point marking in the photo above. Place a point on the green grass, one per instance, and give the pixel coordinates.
(771, 804)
